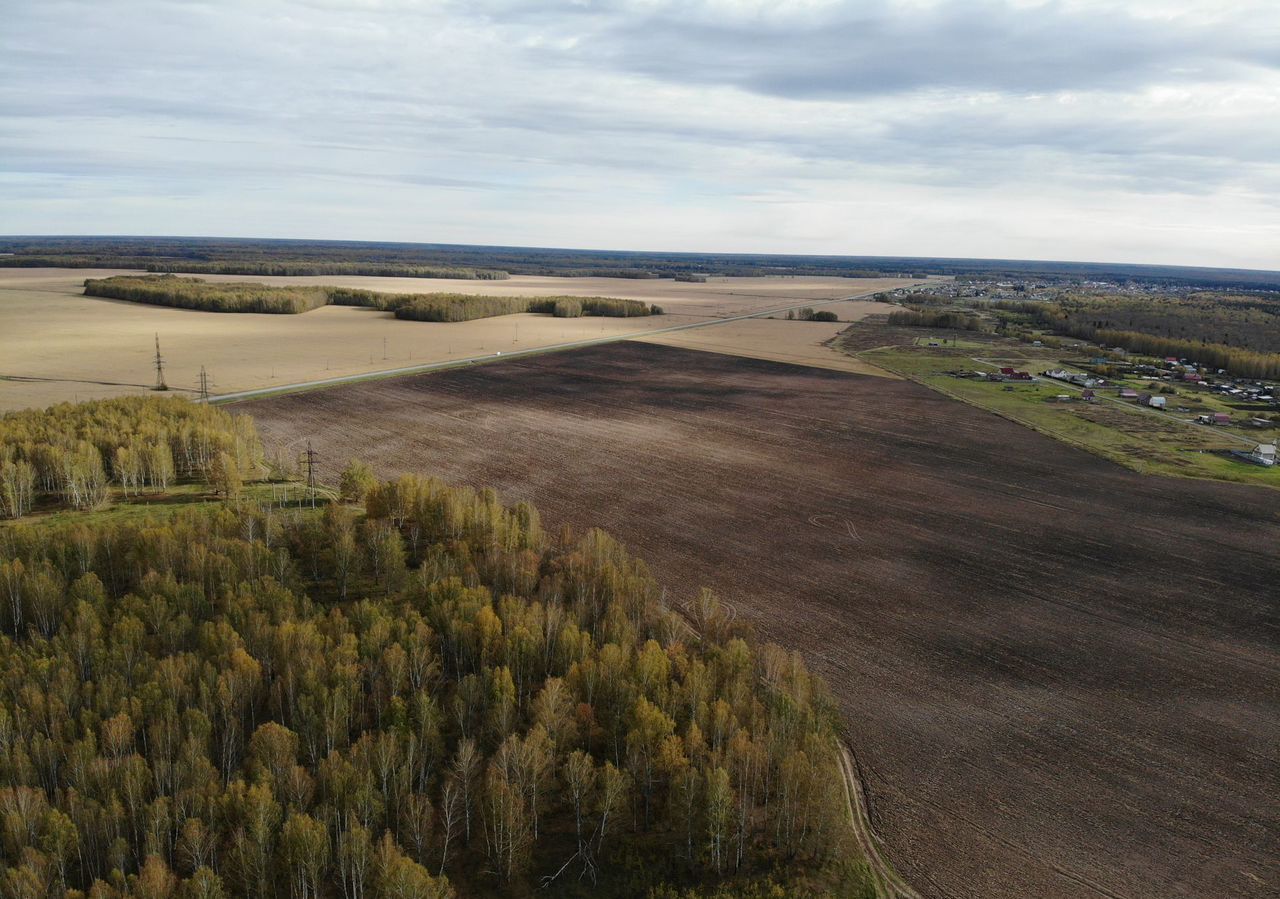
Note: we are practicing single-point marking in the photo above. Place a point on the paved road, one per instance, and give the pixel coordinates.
(516, 354)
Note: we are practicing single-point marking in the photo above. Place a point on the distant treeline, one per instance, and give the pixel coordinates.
(808, 314)
(1241, 363)
(287, 267)
(193, 293)
(913, 318)
(1238, 334)
(236, 296)
(460, 307)
(1248, 322)
(188, 254)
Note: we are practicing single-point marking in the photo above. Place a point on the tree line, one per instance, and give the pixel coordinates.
(925, 318)
(303, 267)
(76, 454)
(207, 296)
(428, 697)
(1247, 322)
(1241, 363)
(809, 314)
(462, 307)
(195, 293)
(1208, 329)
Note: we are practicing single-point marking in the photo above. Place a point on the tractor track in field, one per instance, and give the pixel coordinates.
(890, 884)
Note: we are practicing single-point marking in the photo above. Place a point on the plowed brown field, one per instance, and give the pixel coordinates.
(1061, 679)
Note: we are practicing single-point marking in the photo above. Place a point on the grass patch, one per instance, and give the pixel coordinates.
(123, 509)
(1147, 442)
(950, 343)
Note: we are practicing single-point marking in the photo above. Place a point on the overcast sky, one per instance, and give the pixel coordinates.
(1111, 130)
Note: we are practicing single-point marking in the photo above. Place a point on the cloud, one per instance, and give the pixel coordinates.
(878, 47)
(720, 125)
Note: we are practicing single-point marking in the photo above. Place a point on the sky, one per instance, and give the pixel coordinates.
(1100, 130)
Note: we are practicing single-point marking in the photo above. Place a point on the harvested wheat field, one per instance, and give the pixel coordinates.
(797, 342)
(56, 344)
(1061, 679)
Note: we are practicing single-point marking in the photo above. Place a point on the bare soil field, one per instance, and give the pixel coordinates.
(1060, 678)
(56, 344)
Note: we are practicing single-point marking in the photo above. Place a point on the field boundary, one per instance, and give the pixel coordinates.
(262, 392)
(889, 883)
(1056, 435)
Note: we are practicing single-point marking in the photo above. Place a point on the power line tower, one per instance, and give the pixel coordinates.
(160, 384)
(204, 386)
(309, 459)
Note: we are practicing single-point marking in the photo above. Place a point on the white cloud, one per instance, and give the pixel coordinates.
(1136, 131)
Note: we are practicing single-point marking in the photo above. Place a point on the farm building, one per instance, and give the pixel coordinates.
(1156, 402)
(1263, 454)
(1071, 377)
(1127, 394)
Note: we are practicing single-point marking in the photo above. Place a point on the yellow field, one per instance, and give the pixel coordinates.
(801, 343)
(56, 344)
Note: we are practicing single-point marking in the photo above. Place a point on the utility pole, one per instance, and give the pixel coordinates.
(160, 384)
(384, 348)
(204, 386)
(309, 459)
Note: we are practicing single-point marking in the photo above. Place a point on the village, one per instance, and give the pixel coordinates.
(1176, 387)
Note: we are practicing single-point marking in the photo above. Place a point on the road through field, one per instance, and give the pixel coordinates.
(1061, 678)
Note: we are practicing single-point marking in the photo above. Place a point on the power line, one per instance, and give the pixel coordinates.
(309, 459)
(160, 384)
(204, 386)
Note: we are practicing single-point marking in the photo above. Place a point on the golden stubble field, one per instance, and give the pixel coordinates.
(57, 344)
(800, 343)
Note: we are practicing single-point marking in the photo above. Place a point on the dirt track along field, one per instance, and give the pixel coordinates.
(56, 344)
(1061, 679)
